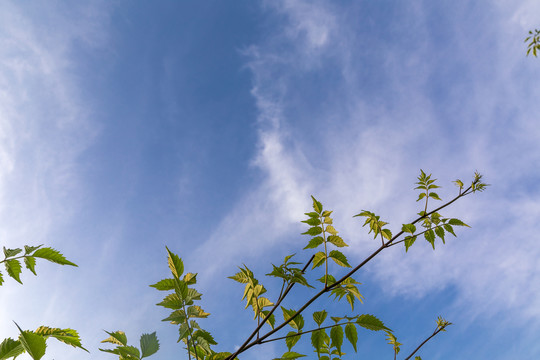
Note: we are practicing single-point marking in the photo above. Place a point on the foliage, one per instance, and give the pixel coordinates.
(533, 42)
(149, 346)
(329, 335)
(33, 342)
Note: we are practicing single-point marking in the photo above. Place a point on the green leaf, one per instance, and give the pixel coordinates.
(430, 237)
(312, 221)
(457, 222)
(164, 285)
(409, 241)
(29, 249)
(337, 241)
(352, 335)
(421, 196)
(116, 337)
(13, 268)
(370, 322)
(183, 331)
(290, 356)
(319, 317)
(10, 348)
(450, 229)
(330, 229)
(317, 206)
(171, 301)
(1, 278)
(317, 340)
(32, 343)
(315, 230)
(205, 335)
(408, 228)
(291, 339)
(439, 231)
(149, 344)
(52, 255)
(458, 183)
(434, 196)
(30, 263)
(339, 258)
(336, 334)
(318, 259)
(11, 252)
(67, 336)
(197, 312)
(386, 233)
(297, 323)
(176, 317)
(312, 214)
(128, 352)
(175, 264)
(314, 242)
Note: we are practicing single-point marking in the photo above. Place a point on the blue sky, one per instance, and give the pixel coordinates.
(205, 126)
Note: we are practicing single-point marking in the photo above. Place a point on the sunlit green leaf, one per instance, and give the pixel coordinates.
(336, 334)
(30, 263)
(408, 228)
(315, 230)
(149, 344)
(175, 264)
(10, 348)
(317, 340)
(52, 255)
(11, 252)
(116, 337)
(352, 335)
(337, 241)
(370, 322)
(164, 285)
(67, 336)
(314, 242)
(330, 229)
(312, 221)
(409, 241)
(32, 343)
(430, 237)
(13, 268)
(319, 316)
(318, 259)
(291, 339)
(290, 356)
(339, 258)
(457, 222)
(450, 229)
(317, 206)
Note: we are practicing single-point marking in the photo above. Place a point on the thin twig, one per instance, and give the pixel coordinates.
(438, 330)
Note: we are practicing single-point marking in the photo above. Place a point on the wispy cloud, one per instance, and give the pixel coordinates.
(45, 125)
(362, 144)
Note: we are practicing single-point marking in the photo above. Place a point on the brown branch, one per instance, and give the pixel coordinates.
(438, 330)
(247, 345)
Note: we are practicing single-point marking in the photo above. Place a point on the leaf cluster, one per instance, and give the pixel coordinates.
(533, 42)
(182, 301)
(149, 345)
(12, 260)
(34, 343)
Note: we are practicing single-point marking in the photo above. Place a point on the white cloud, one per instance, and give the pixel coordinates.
(45, 125)
(368, 152)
